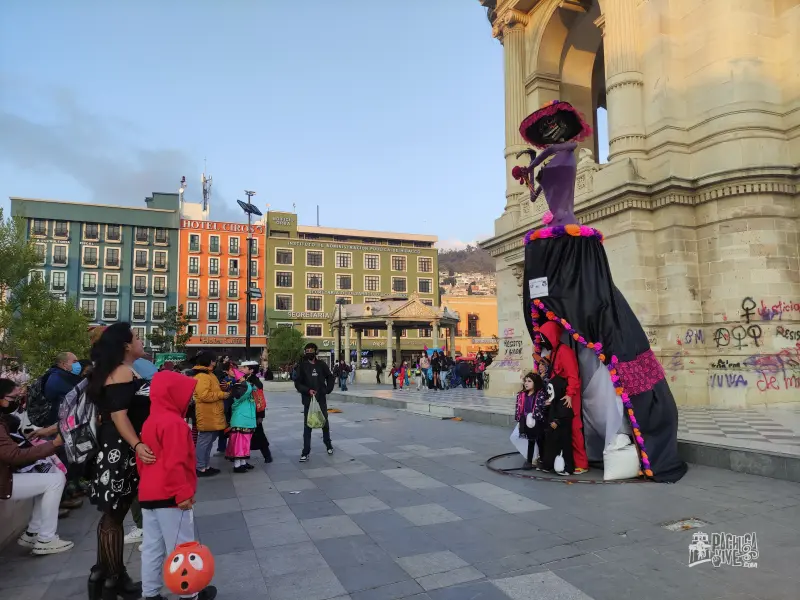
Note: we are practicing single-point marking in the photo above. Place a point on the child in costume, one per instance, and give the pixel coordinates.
(557, 429)
(530, 401)
(243, 425)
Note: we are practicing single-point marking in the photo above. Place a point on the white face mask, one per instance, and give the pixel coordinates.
(545, 353)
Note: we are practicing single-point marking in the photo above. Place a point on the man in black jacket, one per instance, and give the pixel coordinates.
(314, 380)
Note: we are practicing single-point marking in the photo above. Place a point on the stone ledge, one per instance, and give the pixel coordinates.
(14, 515)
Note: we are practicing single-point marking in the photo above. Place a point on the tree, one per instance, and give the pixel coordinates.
(173, 334)
(17, 255)
(38, 325)
(285, 346)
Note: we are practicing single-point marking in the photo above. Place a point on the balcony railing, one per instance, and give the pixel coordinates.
(89, 262)
(213, 294)
(139, 290)
(159, 292)
(234, 250)
(161, 237)
(61, 233)
(158, 316)
(233, 316)
(194, 293)
(194, 270)
(233, 272)
(138, 316)
(59, 260)
(161, 266)
(233, 293)
(111, 289)
(113, 237)
(214, 272)
(194, 247)
(213, 316)
(89, 289)
(112, 262)
(59, 287)
(141, 264)
(107, 314)
(141, 236)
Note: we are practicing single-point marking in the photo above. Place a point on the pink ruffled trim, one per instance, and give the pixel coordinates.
(562, 230)
(640, 374)
(552, 109)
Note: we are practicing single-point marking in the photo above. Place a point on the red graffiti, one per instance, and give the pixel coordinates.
(767, 382)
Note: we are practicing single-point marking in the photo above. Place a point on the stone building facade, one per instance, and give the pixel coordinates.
(699, 200)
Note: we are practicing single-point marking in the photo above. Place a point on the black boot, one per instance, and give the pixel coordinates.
(122, 585)
(96, 578)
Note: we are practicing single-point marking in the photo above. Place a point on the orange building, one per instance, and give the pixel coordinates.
(478, 327)
(212, 285)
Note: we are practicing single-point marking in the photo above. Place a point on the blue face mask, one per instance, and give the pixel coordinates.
(76, 368)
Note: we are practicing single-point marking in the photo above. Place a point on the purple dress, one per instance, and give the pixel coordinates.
(558, 181)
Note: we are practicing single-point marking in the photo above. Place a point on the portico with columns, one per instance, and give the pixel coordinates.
(698, 199)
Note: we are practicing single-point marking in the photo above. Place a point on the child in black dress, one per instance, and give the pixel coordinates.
(558, 429)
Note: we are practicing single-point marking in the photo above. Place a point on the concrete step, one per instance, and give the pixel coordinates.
(764, 461)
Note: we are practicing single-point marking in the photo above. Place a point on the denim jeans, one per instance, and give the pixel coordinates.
(205, 442)
(164, 528)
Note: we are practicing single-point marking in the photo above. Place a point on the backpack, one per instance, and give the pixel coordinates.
(39, 408)
(77, 423)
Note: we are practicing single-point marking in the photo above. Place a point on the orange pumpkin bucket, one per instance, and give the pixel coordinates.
(189, 568)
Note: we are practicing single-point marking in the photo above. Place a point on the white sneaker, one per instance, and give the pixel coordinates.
(134, 536)
(54, 546)
(27, 539)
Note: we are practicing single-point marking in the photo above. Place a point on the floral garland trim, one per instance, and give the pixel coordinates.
(562, 230)
(536, 306)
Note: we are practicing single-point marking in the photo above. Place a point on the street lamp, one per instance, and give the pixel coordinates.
(250, 209)
(341, 302)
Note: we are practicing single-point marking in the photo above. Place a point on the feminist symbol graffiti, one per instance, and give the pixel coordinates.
(748, 309)
(723, 336)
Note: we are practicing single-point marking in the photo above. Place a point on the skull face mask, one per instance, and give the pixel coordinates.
(552, 129)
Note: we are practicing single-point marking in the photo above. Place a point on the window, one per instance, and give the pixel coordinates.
(372, 283)
(344, 260)
(398, 263)
(111, 283)
(140, 310)
(399, 284)
(194, 265)
(314, 258)
(194, 288)
(284, 257)
(314, 330)
(427, 301)
(254, 247)
(403, 333)
(110, 310)
(41, 253)
(192, 309)
(161, 235)
(425, 332)
(36, 276)
(142, 235)
(283, 302)
(213, 266)
(472, 326)
(194, 242)
(61, 229)
(254, 268)
(283, 279)
(58, 281)
(253, 330)
(233, 289)
(139, 332)
(212, 330)
(91, 231)
(213, 244)
(213, 311)
(192, 330)
(372, 262)
(345, 299)
(140, 284)
(314, 281)
(233, 311)
(112, 257)
(159, 285)
(90, 256)
(89, 308)
(233, 245)
(253, 312)
(425, 264)
(425, 286)
(233, 267)
(160, 260)
(233, 330)
(59, 255)
(154, 331)
(372, 300)
(344, 282)
(314, 303)
(89, 283)
(159, 308)
(39, 227)
(113, 233)
(140, 259)
(213, 288)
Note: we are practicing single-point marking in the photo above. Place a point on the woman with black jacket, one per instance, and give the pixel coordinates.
(259, 440)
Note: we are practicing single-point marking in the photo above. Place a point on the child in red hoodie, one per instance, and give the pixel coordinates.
(167, 487)
(564, 363)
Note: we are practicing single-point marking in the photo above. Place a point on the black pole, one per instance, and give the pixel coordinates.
(249, 276)
(341, 350)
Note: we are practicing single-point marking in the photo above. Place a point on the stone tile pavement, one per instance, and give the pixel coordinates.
(406, 509)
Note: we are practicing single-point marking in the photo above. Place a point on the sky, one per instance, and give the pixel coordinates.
(388, 115)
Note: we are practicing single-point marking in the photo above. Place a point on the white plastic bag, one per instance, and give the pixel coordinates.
(530, 421)
(620, 459)
(521, 444)
(558, 464)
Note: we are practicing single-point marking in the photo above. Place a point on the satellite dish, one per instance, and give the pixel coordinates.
(250, 209)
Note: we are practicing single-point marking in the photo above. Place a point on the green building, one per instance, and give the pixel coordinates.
(309, 268)
(117, 263)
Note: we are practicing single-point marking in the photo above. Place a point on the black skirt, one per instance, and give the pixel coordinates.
(581, 291)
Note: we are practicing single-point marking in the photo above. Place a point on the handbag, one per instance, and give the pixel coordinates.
(260, 399)
(530, 421)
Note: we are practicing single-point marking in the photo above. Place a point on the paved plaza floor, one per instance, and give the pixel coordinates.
(406, 509)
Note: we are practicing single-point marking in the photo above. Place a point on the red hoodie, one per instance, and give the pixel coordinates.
(566, 363)
(172, 478)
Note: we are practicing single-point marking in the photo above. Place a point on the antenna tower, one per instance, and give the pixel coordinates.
(206, 181)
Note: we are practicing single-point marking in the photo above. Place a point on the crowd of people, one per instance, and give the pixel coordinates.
(438, 371)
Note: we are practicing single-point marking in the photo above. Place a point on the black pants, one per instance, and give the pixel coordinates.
(326, 430)
(378, 378)
(394, 381)
(259, 440)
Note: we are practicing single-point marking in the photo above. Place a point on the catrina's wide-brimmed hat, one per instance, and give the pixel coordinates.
(577, 129)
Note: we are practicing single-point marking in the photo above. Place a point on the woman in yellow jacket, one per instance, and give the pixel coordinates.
(209, 402)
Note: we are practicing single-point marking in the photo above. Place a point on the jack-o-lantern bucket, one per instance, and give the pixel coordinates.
(188, 569)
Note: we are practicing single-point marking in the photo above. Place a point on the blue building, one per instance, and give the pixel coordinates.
(117, 263)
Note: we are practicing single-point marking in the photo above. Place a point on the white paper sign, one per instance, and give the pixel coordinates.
(538, 287)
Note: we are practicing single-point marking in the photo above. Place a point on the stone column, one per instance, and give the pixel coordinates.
(389, 343)
(347, 344)
(336, 345)
(452, 342)
(399, 352)
(358, 348)
(435, 334)
(624, 79)
(509, 28)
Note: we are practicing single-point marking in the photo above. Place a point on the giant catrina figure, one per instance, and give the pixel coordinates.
(568, 280)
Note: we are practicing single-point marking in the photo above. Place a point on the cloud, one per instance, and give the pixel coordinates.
(456, 244)
(97, 152)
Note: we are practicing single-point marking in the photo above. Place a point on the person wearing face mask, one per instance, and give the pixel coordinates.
(314, 380)
(25, 473)
(64, 375)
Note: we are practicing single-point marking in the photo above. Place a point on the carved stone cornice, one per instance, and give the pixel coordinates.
(509, 20)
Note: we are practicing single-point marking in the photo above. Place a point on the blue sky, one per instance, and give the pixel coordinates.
(389, 115)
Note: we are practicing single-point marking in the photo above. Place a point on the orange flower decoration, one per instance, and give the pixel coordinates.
(602, 358)
(649, 473)
(575, 336)
(550, 315)
(619, 391)
(590, 345)
(573, 229)
(613, 371)
(630, 412)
